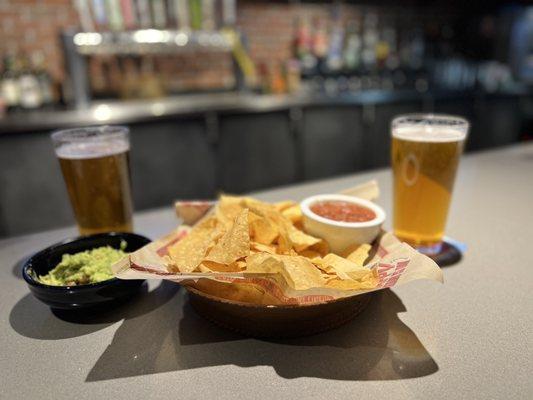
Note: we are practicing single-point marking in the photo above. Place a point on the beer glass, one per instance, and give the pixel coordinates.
(425, 155)
(95, 166)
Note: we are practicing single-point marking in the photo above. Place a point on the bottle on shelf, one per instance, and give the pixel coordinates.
(30, 91)
(46, 84)
(278, 85)
(370, 40)
(150, 83)
(382, 49)
(320, 43)
(10, 83)
(303, 46)
(293, 75)
(264, 78)
(336, 43)
(3, 106)
(353, 46)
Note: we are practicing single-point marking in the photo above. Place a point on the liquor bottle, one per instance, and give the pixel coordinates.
(46, 84)
(416, 49)
(129, 84)
(264, 78)
(370, 40)
(353, 47)
(303, 47)
(293, 75)
(3, 106)
(278, 85)
(393, 60)
(30, 92)
(151, 86)
(382, 50)
(320, 43)
(336, 42)
(10, 84)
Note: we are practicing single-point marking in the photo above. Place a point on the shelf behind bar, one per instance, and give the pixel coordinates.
(154, 41)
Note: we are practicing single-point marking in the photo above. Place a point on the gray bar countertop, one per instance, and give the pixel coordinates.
(131, 111)
(470, 338)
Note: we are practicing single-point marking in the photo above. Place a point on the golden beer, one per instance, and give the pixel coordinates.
(425, 157)
(96, 173)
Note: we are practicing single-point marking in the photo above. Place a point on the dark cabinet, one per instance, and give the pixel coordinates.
(331, 141)
(498, 122)
(33, 196)
(171, 160)
(255, 151)
(377, 137)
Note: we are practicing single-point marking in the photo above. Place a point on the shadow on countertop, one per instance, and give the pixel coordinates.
(33, 319)
(376, 345)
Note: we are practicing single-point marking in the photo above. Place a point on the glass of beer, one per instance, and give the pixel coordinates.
(95, 166)
(425, 155)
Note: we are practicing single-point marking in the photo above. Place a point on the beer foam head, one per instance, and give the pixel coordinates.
(91, 142)
(91, 149)
(431, 128)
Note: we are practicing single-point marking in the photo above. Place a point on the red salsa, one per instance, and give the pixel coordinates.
(343, 211)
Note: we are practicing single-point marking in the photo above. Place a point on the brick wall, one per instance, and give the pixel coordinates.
(30, 25)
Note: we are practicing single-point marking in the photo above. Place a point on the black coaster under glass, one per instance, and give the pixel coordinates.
(448, 255)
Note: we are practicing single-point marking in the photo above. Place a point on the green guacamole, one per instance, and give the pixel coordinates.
(89, 266)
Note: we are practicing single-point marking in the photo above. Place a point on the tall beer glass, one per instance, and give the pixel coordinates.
(95, 166)
(425, 155)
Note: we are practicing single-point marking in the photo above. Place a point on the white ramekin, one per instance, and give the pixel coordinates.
(341, 236)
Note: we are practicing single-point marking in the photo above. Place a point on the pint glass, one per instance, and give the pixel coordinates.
(95, 166)
(425, 156)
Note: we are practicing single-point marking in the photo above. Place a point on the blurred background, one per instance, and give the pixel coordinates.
(235, 96)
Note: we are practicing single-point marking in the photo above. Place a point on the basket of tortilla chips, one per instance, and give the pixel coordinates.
(249, 266)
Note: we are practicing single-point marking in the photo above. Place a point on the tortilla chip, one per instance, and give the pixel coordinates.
(284, 205)
(311, 254)
(228, 208)
(263, 230)
(234, 244)
(210, 266)
(244, 292)
(301, 240)
(188, 253)
(293, 214)
(360, 254)
(259, 247)
(298, 272)
(346, 269)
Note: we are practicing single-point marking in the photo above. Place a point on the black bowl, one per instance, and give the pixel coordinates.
(81, 296)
